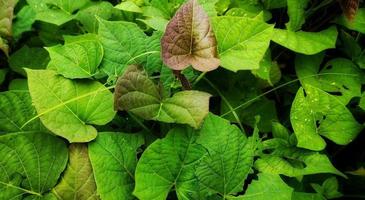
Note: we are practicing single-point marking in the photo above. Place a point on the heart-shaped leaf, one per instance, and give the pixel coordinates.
(190, 40)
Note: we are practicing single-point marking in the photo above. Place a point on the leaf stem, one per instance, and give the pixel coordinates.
(22, 189)
(184, 81)
(281, 86)
(226, 102)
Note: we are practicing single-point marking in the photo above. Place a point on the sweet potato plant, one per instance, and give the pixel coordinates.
(182, 99)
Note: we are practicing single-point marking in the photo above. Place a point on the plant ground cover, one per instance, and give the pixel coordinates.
(182, 99)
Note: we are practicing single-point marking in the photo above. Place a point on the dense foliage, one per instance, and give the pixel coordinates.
(175, 99)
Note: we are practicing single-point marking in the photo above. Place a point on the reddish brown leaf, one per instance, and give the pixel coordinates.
(190, 40)
(349, 8)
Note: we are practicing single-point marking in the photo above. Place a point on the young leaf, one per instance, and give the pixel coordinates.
(15, 110)
(315, 113)
(168, 163)
(31, 164)
(78, 58)
(69, 107)
(113, 157)
(224, 169)
(242, 42)
(296, 12)
(307, 43)
(267, 186)
(78, 179)
(136, 93)
(190, 40)
(349, 8)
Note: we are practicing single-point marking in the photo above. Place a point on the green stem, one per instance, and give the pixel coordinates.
(226, 102)
(281, 86)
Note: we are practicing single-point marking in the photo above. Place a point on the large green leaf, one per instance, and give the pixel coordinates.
(69, 107)
(339, 76)
(15, 110)
(78, 179)
(168, 163)
(31, 164)
(136, 93)
(124, 44)
(267, 186)
(242, 42)
(296, 12)
(315, 113)
(114, 158)
(79, 57)
(223, 170)
(293, 162)
(26, 57)
(308, 43)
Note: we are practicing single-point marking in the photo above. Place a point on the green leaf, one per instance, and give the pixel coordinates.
(79, 57)
(26, 57)
(23, 21)
(56, 12)
(230, 157)
(362, 101)
(293, 162)
(3, 73)
(68, 108)
(129, 6)
(267, 186)
(78, 179)
(339, 76)
(31, 164)
(242, 42)
(114, 158)
(308, 43)
(124, 44)
(280, 131)
(296, 12)
(18, 84)
(168, 163)
(139, 95)
(315, 113)
(328, 189)
(358, 24)
(273, 4)
(15, 110)
(269, 70)
(88, 16)
(190, 40)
